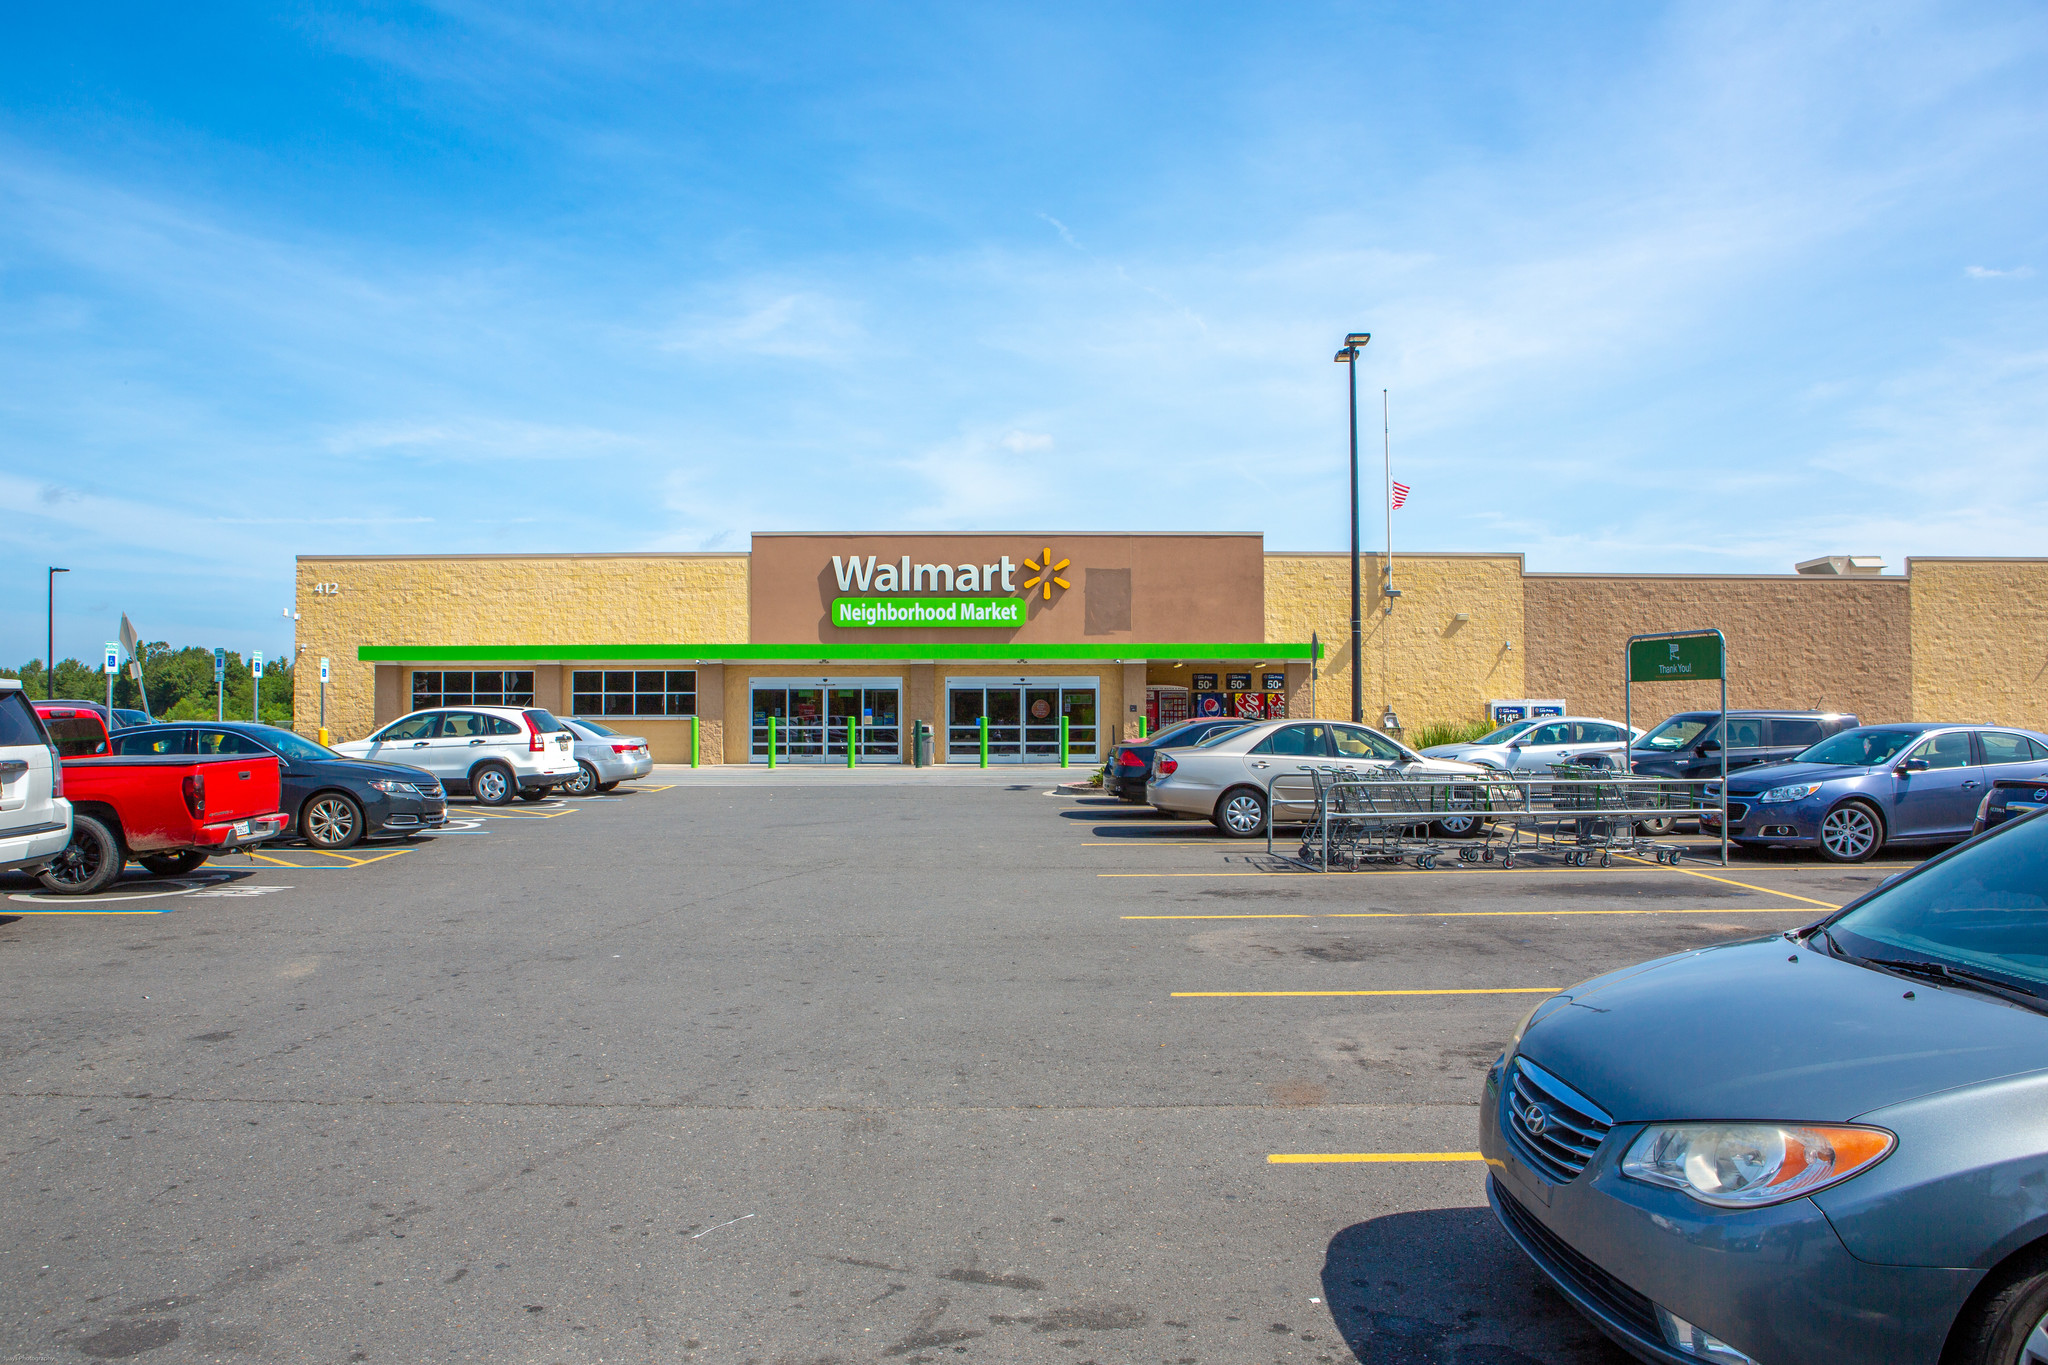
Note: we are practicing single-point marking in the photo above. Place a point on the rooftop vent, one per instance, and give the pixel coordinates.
(1844, 566)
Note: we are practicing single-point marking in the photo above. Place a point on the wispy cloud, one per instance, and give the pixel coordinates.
(1985, 272)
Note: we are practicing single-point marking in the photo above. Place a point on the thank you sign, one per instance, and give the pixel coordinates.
(1687, 658)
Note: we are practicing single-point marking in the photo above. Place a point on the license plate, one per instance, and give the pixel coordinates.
(242, 828)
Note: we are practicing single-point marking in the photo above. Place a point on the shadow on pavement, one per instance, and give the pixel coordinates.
(1447, 1287)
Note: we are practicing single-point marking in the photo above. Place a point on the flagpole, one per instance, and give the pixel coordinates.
(1387, 452)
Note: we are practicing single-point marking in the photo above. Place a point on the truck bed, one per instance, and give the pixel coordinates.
(149, 799)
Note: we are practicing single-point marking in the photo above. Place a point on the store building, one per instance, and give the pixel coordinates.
(816, 633)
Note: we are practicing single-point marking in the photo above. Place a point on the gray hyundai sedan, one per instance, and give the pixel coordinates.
(1828, 1146)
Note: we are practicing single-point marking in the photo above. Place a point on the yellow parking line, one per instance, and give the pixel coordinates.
(1470, 990)
(348, 860)
(1306, 1158)
(667, 788)
(1729, 881)
(1499, 914)
(523, 815)
(394, 853)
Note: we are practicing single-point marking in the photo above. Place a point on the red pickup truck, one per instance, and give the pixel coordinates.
(167, 812)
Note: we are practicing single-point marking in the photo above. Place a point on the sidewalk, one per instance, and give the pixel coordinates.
(1040, 775)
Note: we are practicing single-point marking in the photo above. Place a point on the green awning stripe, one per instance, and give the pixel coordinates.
(945, 652)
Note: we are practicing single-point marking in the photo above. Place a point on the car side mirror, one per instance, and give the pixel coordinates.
(1516, 743)
(1709, 746)
(1913, 765)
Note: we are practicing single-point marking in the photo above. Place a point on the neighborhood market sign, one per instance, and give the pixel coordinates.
(910, 611)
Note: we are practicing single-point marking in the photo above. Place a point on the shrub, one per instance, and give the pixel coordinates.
(1451, 732)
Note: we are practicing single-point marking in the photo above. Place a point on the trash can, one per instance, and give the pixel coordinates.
(921, 744)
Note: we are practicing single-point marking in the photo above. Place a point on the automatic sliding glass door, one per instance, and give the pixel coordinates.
(1023, 719)
(812, 717)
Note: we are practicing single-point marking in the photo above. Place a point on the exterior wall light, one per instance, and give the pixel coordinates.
(1462, 616)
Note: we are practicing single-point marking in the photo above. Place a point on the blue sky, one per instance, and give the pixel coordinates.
(1654, 288)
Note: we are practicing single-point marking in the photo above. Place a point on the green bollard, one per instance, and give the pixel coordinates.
(852, 738)
(1141, 727)
(696, 752)
(1063, 741)
(984, 741)
(771, 742)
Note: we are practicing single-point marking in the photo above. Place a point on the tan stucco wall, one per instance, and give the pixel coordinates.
(1809, 642)
(1428, 665)
(1980, 640)
(500, 600)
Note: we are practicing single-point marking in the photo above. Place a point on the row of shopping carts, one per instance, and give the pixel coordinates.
(1581, 815)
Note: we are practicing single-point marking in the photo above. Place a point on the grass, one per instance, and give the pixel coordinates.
(1450, 732)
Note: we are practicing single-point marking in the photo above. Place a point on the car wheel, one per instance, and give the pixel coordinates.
(331, 820)
(89, 863)
(1241, 813)
(173, 864)
(533, 793)
(1658, 826)
(1459, 827)
(494, 785)
(584, 783)
(1850, 833)
(606, 786)
(2010, 1323)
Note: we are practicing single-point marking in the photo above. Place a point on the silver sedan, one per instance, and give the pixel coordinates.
(605, 758)
(1230, 779)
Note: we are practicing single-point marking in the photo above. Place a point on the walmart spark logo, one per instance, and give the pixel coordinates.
(1047, 574)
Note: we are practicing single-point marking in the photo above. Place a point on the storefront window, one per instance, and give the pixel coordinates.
(489, 687)
(633, 692)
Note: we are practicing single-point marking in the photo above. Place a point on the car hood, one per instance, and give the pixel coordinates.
(1464, 751)
(1770, 775)
(1741, 1032)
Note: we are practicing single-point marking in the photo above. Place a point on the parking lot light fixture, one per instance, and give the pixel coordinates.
(1354, 342)
(50, 661)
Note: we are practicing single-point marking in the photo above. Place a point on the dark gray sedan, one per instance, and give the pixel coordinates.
(1822, 1147)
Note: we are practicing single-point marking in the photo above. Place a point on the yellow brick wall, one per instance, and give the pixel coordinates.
(1980, 640)
(1418, 658)
(489, 600)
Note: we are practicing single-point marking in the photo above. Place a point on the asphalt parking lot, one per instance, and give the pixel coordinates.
(804, 1066)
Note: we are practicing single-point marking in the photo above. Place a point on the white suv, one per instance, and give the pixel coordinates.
(35, 819)
(494, 752)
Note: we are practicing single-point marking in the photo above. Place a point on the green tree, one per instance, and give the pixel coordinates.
(179, 681)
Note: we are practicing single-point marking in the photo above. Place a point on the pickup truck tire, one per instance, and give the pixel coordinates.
(173, 864)
(331, 820)
(89, 863)
(493, 784)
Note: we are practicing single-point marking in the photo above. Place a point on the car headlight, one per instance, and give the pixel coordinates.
(394, 786)
(1748, 1165)
(1798, 791)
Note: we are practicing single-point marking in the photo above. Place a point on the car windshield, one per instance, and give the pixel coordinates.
(293, 748)
(1504, 734)
(1983, 909)
(1859, 748)
(1676, 733)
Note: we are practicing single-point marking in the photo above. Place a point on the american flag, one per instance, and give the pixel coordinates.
(1400, 494)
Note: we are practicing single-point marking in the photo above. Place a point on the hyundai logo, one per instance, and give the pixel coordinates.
(1535, 1119)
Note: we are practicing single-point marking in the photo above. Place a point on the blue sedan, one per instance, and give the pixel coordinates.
(1856, 792)
(1823, 1147)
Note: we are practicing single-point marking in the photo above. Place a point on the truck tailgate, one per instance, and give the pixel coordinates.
(153, 797)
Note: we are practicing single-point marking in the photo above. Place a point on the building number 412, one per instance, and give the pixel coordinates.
(327, 589)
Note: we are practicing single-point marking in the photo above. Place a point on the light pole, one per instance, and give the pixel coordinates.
(1348, 357)
(50, 663)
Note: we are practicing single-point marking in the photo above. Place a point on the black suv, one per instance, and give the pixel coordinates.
(1689, 743)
